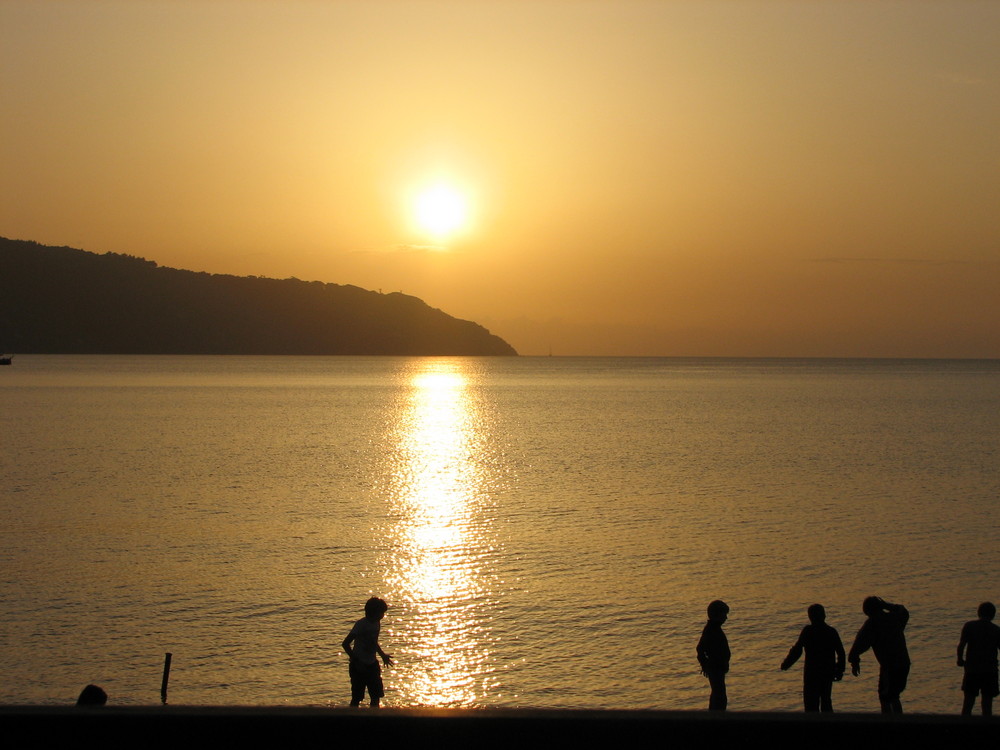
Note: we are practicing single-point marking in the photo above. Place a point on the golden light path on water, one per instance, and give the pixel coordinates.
(435, 577)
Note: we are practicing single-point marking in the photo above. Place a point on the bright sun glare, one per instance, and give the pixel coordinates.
(441, 211)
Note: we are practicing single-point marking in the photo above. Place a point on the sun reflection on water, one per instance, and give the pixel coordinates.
(437, 574)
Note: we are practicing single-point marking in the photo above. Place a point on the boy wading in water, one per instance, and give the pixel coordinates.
(364, 668)
(883, 634)
(824, 660)
(713, 654)
(977, 652)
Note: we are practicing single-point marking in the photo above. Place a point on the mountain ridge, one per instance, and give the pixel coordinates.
(61, 300)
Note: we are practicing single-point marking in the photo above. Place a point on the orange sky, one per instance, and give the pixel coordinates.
(743, 178)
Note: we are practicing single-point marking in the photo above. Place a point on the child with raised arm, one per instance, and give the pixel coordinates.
(982, 639)
(824, 660)
(883, 634)
(364, 668)
(713, 654)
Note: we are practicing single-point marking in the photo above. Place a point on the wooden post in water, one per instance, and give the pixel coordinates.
(166, 677)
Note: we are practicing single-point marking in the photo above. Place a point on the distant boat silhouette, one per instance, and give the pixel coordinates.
(7, 359)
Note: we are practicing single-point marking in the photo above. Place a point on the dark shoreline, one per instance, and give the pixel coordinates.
(185, 727)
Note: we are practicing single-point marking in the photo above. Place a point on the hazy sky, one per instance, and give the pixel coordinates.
(665, 178)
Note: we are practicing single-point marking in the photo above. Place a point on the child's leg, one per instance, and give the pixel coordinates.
(826, 697)
(718, 699)
(810, 698)
(375, 687)
(812, 693)
(357, 684)
(989, 691)
(968, 701)
(891, 683)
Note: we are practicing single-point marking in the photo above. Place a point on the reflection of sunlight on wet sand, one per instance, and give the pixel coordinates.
(438, 544)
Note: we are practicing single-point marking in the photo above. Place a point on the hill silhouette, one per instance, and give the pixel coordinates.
(58, 300)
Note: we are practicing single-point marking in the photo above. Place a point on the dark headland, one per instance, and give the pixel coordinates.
(58, 300)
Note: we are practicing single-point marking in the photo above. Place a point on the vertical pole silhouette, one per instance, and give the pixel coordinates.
(166, 677)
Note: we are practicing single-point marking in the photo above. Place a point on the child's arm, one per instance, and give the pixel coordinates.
(901, 613)
(386, 658)
(347, 644)
(708, 649)
(862, 642)
(793, 654)
(838, 647)
(702, 656)
(962, 643)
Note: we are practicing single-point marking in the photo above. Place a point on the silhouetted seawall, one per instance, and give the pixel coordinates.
(183, 727)
(58, 300)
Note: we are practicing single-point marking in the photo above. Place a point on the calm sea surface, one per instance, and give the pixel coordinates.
(547, 531)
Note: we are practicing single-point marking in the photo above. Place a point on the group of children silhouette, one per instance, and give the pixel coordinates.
(825, 661)
(882, 632)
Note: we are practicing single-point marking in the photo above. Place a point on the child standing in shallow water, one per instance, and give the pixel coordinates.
(713, 654)
(824, 660)
(977, 653)
(364, 668)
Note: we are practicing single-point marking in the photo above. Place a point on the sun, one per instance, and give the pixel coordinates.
(441, 211)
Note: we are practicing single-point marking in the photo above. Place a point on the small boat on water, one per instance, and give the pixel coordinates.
(7, 359)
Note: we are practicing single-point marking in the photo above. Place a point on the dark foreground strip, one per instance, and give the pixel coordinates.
(185, 728)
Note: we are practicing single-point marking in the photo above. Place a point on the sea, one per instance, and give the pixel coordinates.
(547, 531)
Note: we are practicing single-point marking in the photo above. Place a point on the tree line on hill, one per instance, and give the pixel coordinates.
(60, 300)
